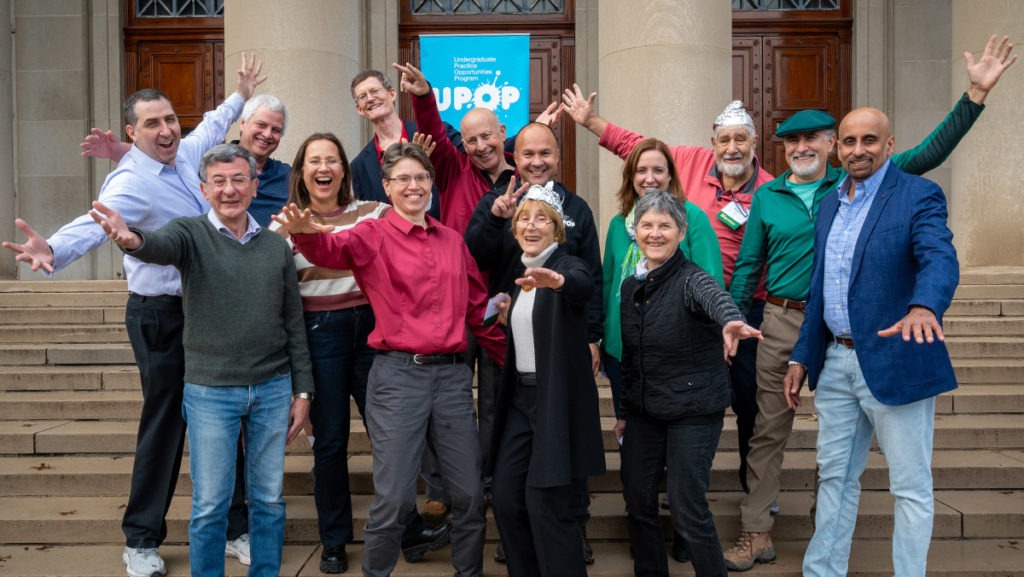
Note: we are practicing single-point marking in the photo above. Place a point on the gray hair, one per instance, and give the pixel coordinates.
(144, 95)
(226, 153)
(661, 201)
(367, 74)
(271, 102)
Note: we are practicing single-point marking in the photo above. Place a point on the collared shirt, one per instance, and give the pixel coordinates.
(271, 192)
(840, 245)
(422, 283)
(148, 195)
(252, 228)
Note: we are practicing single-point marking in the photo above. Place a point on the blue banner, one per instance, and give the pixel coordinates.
(467, 71)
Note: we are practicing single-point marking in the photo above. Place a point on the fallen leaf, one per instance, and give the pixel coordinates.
(42, 467)
(71, 512)
(44, 547)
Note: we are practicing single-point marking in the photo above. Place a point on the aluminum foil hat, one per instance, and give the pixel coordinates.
(734, 115)
(547, 195)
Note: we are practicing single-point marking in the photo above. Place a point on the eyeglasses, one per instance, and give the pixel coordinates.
(238, 182)
(373, 92)
(317, 163)
(539, 221)
(404, 179)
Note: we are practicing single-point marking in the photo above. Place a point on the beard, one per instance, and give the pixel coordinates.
(732, 169)
(806, 170)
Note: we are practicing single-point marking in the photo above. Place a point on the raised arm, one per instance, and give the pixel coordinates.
(581, 109)
(249, 76)
(982, 75)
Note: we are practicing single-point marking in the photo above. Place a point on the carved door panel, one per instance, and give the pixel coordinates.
(190, 73)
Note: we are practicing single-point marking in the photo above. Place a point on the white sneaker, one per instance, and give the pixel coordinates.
(239, 548)
(143, 562)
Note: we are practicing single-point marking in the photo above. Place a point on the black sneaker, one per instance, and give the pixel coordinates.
(333, 559)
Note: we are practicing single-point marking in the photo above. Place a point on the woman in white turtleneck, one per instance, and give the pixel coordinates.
(547, 427)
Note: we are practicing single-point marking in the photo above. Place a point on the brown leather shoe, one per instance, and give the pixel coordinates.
(750, 548)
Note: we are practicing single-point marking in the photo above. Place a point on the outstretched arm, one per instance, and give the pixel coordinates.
(114, 226)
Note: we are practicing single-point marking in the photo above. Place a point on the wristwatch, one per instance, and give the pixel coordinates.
(307, 396)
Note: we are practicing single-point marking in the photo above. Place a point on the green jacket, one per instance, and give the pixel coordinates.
(700, 245)
(780, 230)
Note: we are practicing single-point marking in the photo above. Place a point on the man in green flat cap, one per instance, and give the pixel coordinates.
(779, 241)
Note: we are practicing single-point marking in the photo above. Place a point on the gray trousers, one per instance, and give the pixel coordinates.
(405, 405)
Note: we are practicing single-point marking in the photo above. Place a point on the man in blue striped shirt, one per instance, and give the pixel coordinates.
(156, 181)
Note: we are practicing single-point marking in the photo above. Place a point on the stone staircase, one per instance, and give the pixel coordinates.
(69, 401)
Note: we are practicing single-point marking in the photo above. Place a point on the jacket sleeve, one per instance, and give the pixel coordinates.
(618, 140)
(295, 328)
(342, 250)
(590, 252)
(579, 285)
(485, 233)
(167, 245)
(751, 258)
(491, 338)
(445, 157)
(703, 294)
(938, 271)
(937, 146)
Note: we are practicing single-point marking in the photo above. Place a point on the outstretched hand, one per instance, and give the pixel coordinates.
(104, 144)
(412, 81)
(114, 226)
(985, 73)
(505, 205)
(919, 322)
(249, 75)
(540, 278)
(579, 107)
(297, 221)
(734, 332)
(35, 251)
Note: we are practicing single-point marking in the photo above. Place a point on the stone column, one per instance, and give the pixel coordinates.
(665, 69)
(7, 203)
(985, 205)
(310, 49)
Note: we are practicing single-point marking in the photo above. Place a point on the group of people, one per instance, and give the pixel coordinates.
(438, 252)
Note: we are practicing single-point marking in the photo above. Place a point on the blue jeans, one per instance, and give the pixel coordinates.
(341, 364)
(215, 416)
(687, 447)
(848, 415)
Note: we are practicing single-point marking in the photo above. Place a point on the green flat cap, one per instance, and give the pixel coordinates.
(806, 121)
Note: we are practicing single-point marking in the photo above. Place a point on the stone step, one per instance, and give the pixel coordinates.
(988, 291)
(111, 315)
(67, 354)
(986, 307)
(69, 378)
(984, 326)
(869, 558)
(56, 437)
(38, 476)
(989, 371)
(64, 333)
(966, 347)
(71, 520)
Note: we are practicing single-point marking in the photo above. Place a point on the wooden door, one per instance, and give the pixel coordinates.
(787, 62)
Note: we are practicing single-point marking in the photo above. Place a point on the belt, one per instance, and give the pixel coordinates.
(786, 303)
(428, 359)
(528, 379)
(845, 341)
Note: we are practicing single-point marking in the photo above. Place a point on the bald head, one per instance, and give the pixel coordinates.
(537, 153)
(865, 142)
(483, 138)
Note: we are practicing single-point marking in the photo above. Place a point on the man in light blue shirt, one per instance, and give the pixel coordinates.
(157, 181)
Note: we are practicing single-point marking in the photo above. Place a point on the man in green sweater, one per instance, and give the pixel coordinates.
(779, 240)
(245, 354)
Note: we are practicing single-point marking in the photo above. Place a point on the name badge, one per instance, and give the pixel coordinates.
(734, 215)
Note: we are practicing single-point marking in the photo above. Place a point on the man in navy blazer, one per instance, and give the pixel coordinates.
(871, 344)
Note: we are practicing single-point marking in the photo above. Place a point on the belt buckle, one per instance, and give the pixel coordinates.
(416, 359)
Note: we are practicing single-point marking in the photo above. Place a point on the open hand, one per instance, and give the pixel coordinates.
(297, 221)
(733, 333)
(919, 322)
(104, 144)
(249, 75)
(985, 73)
(412, 81)
(116, 228)
(35, 251)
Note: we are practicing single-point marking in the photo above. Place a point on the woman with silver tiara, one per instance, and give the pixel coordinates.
(547, 426)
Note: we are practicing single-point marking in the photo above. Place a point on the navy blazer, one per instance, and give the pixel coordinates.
(367, 181)
(904, 256)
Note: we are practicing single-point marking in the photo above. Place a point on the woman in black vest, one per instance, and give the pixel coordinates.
(547, 430)
(675, 388)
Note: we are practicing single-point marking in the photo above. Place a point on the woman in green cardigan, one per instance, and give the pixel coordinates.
(648, 166)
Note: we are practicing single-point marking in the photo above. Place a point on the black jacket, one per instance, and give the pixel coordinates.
(497, 253)
(567, 440)
(672, 357)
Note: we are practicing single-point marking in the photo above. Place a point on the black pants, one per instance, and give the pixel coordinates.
(155, 330)
(744, 389)
(538, 525)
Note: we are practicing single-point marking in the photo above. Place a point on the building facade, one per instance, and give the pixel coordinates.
(664, 68)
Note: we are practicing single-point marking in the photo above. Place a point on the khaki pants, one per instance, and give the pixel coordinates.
(781, 328)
